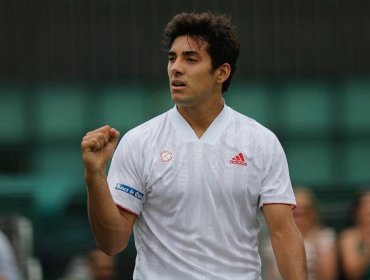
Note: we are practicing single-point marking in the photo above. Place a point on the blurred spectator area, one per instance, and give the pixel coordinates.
(323, 126)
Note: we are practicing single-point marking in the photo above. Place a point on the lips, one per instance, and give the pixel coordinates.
(178, 83)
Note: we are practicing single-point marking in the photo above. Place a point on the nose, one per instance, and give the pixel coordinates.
(175, 67)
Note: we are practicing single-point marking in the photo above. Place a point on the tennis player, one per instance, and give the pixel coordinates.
(191, 181)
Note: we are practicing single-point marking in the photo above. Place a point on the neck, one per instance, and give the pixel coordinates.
(201, 117)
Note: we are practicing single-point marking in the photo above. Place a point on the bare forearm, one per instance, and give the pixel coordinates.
(290, 256)
(108, 225)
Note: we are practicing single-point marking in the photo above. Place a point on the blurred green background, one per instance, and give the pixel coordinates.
(70, 66)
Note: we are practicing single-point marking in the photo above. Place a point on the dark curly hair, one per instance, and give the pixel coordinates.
(216, 30)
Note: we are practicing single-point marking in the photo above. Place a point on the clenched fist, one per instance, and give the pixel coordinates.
(97, 148)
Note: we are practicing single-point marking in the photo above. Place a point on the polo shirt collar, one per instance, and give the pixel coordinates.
(212, 133)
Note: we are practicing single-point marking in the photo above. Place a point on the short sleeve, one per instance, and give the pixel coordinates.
(276, 185)
(125, 176)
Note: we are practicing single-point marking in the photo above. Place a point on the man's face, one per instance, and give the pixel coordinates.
(192, 80)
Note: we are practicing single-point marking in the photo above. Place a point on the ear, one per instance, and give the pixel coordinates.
(223, 73)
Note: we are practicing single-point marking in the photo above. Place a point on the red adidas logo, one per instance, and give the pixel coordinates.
(238, 159)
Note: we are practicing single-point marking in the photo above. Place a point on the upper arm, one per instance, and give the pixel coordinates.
(279, 218)
(286, 241)
(128, 220)
(128, 217)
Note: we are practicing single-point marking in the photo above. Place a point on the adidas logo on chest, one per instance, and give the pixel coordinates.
(239, 160)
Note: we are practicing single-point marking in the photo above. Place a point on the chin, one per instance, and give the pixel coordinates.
(179, 99)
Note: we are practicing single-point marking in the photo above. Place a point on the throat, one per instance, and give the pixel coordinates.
(199, 123)
(199, 131)
(200, 118)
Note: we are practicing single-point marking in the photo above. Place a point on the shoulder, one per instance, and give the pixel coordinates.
(140, 138)
(252, 127)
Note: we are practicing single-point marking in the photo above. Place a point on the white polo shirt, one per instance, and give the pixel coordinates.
(197, 199)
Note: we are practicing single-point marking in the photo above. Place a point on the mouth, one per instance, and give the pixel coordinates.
(176, 84)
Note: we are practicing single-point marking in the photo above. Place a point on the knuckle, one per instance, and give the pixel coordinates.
(99, 137)
(103, 137)
(94, 141)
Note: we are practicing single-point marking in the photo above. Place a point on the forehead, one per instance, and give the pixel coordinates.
(187, 43)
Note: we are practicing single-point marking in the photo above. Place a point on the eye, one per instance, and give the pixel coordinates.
(192, 59)
(171, 58)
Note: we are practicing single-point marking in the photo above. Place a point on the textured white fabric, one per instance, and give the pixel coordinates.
(197, 199)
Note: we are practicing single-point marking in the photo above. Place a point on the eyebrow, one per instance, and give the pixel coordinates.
(185, 53)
